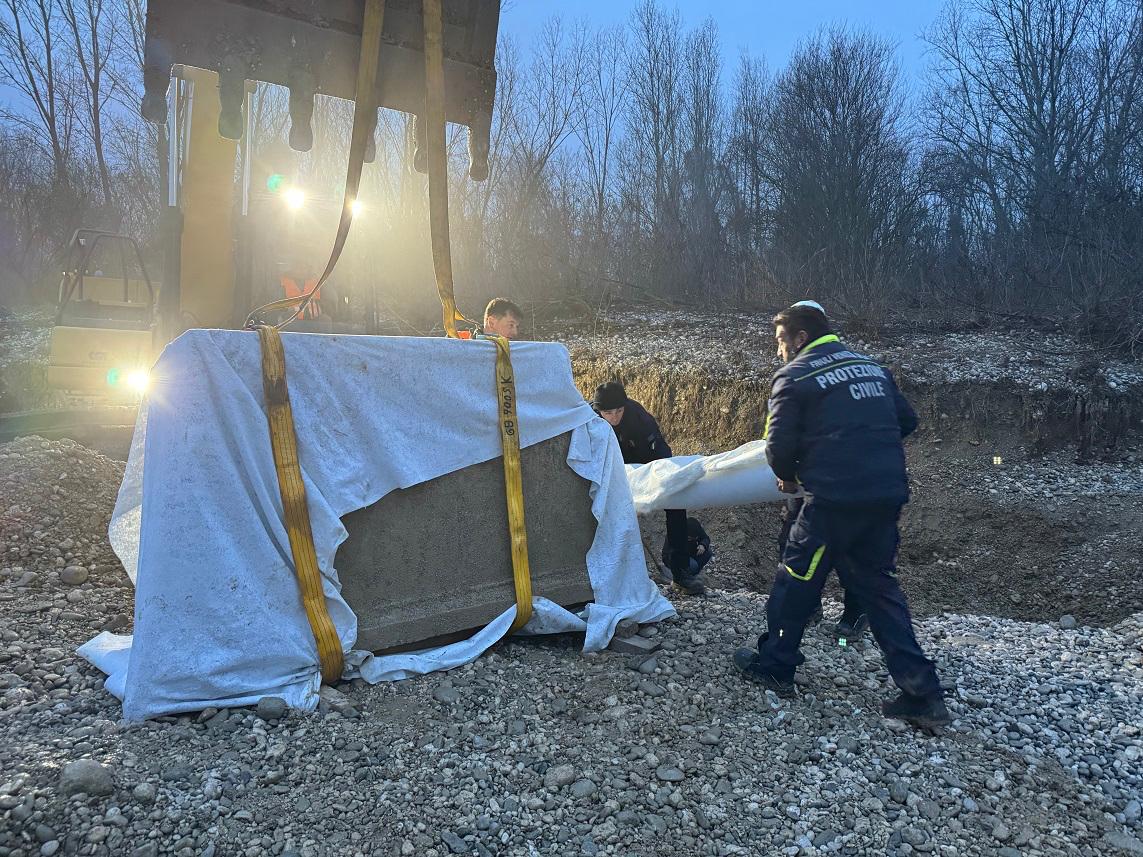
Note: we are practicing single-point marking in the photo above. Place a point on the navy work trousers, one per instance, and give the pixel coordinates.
(861, 543)
(851, 609)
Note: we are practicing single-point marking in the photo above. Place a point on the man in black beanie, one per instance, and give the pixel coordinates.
(641, 442)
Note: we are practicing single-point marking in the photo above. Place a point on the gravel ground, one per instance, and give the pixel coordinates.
(537, 749)
(25, 335)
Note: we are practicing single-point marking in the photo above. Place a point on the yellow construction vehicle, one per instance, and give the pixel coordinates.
(102, 341)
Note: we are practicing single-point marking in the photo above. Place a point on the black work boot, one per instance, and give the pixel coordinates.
(851, 627)
(747, 662)
(926, 712)
(691, 584)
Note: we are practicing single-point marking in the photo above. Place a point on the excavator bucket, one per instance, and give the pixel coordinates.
(312, 47)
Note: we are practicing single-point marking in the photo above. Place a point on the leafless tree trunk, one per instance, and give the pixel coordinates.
(748, 220)
(33, 62)
(652, 151)
(838, 159)
(95, 30)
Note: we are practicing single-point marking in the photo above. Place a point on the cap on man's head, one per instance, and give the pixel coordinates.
(811, 305)
(609, 396)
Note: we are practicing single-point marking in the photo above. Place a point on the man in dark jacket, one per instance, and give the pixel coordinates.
(699, 551)
(641, 442)
(853, 622)
(835, 424)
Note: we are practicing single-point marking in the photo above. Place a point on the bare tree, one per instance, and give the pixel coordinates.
(705, 180)
(35, 63)
(838, 159)
(94, 26)
(751, 201)
(652, 152)
(1039, 102)
(600, 111)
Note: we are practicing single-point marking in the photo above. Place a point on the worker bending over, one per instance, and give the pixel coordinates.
(699, 552)
(641, 442)
(836, 422)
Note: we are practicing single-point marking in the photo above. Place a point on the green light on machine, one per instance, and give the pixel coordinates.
(113, 376)
(274, 182)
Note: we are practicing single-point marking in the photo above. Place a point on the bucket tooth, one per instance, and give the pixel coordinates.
(231, 94)
(479, 143)
(420, 150)
(302, 113)
(156, 81)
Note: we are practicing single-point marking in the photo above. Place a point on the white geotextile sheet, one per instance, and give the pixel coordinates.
(735, 478)
(198, 523)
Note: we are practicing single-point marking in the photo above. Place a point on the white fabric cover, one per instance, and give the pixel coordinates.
(199, 524)
(735, 478)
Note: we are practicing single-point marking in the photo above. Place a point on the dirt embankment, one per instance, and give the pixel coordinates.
(1027, 474)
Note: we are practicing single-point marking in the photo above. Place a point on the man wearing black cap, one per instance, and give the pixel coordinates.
(641, 442)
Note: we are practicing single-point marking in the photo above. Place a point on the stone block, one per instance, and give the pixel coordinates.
(633, 645)
(432, 562)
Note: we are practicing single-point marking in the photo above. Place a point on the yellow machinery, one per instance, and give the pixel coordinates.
(103, 336)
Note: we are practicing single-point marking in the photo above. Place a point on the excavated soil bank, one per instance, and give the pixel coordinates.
(1026, 470)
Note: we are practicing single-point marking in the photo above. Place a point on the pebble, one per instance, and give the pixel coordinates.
(455, 843)
(272, 708)
(74, 575)
(447, 694)
(1123, 841)
(626, 628)
(88, 776)
(583, 788)
(1132, 811)
(559, 776)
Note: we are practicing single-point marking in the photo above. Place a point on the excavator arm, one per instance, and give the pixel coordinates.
(312, 47)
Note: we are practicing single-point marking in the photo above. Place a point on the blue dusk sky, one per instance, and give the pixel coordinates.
(761, 27)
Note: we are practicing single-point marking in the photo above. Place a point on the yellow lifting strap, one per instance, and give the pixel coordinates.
(513, 486)
(284, 442)
(364, 119)
(434, 120)
(442, 262)
(279, 414)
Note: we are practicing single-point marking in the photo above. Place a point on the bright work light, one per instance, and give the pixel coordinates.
(295, 198)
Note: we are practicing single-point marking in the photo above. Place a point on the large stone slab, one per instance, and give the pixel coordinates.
(433, 561)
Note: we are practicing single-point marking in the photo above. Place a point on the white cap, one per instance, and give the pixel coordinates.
(811, 305)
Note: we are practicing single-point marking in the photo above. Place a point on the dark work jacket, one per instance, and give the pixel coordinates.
(836, 420)
(696, 537)
(639, 437)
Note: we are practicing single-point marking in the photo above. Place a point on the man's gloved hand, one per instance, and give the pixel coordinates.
(788, 486)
